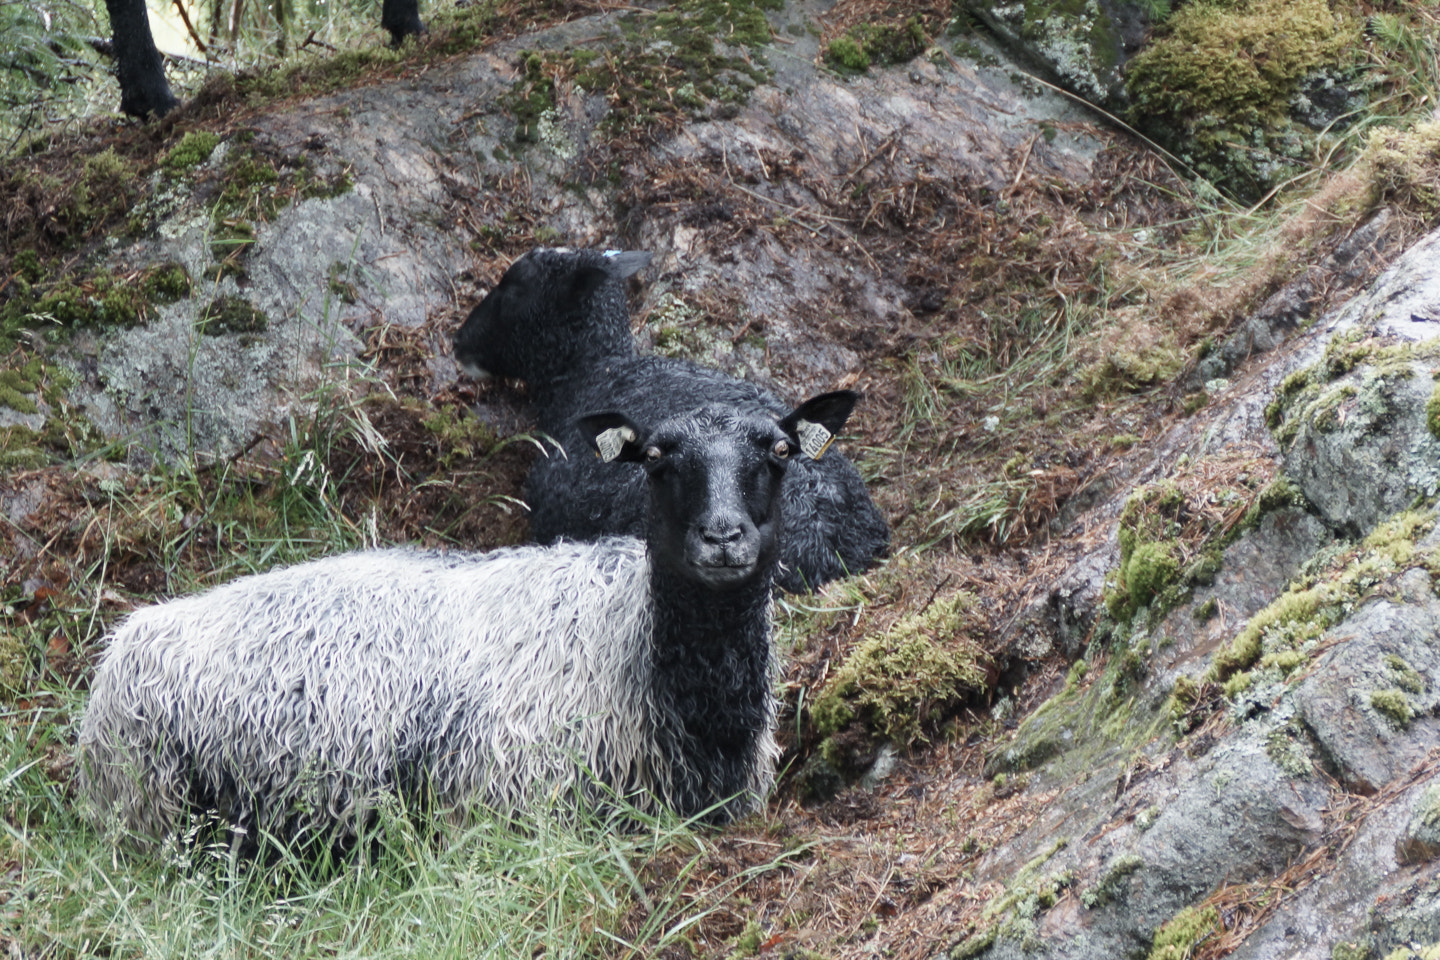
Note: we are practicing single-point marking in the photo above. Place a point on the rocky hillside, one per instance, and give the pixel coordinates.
(1154, 668)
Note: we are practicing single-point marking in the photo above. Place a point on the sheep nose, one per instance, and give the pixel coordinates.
(721, 532)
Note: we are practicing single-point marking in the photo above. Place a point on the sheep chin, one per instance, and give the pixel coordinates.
(722, 576)
(474, 370)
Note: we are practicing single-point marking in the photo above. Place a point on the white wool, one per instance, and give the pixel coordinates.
(493, 677)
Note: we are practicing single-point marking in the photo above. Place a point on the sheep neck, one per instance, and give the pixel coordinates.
(711, 681)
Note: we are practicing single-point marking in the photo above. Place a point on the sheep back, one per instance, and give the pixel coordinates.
(831, 526)
(290, 700)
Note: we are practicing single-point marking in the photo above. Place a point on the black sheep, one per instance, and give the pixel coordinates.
(559, 321)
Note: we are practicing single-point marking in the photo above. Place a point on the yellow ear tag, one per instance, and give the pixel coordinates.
(814, 439)
(609, 443)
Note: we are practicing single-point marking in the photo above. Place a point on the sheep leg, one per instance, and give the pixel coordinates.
(402, 19)
(143, 88)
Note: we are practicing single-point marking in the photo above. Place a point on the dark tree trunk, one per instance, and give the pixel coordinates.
(143, 88)
(401, 18)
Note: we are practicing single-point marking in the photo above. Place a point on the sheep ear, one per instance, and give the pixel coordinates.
(814, 424)
(612, 436)
(627, 263)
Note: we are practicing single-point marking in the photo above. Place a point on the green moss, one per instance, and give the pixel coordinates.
(1284, 746)
(248, 188)
(1206, 611)
(69, 433)
(1148, 557)
(1238, 684)
(22, 448)
(747, 944)
(1152, 567)
(903, 682)
(1084, 723)
(1402, 168)
(16, 383)
(846, 55)
(1110, 886)
(340, 70)
(1431, 952)
(1284, 661)
(1183, 696)
(1393, 705)
(1406, 677)
(193, 149)
(1351, 950)
(883, 44)
(667, 66)
(1124, 441)
(1012, 914)
(106, 188)
(1307, 397)
(1304, 612)
(462, 435)
(232, 315)
(1217, 81)
(532, 96)
(1177, 937)
(26, 263)
(167, 283)
(1128, 369)
(14, 660)
(100, 300)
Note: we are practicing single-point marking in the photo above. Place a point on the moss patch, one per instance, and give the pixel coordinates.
(1402, 168)
(1086, 722)
(193, 149)
(1110, 886)
(1216, 84)
(902, 682)
(1177, 937)
(883, 44)
(462, 435)
(670, 65)
(16, 384)
(1393, 705)
(1311, 395)
(1011, 915)
(232, 315)
(1149, 561)
(1303, 613)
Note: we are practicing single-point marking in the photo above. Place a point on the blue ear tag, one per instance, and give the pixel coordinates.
(814, 438)
(609, 443)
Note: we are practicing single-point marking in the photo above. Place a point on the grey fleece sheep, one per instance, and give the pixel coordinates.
(558, 320)
(290, 701)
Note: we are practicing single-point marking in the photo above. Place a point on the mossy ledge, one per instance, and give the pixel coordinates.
(1299, 617)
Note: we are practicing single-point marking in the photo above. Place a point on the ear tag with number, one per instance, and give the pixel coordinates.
(814, 438)
(610, 442)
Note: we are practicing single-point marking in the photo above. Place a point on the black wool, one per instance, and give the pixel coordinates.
(558, 320)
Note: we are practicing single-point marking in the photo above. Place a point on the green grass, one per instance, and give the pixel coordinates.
(420, 887)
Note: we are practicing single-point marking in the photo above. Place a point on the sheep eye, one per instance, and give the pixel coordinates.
(781, 449)
(653, 454)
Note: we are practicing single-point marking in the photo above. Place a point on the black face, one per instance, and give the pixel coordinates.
(715, 476)
(554, 311)
(485, 344)
(715, 496)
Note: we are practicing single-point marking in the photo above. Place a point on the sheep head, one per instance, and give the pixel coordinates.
(714, 478)
(554, 312)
